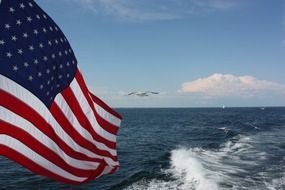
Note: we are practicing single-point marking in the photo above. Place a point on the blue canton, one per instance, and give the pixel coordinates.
(33, 50)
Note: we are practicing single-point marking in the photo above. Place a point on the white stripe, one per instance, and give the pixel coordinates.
(107, 116)
(36, 158)
(26, 96)
(62, 104)
(106, 170)
(89, 112)
(16, 120)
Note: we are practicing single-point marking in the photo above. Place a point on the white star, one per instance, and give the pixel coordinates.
(38, 17)
(52, 78)
(18, 22)
(26, 64)
(41, 86)
(11, 9)
(9, 54)
(31, 48)
(25, 35)
(60, 54)
(31, 78)
(54, 67)
(29, 19)
(61, 40)
(57, 85)
(70, 50)
(68, 64)
(45, 58)
(36, 61)
(59, 76)
(44, 30)
(2, 42)
(20, 51)
(40, 74)
(56, 28)
(53, 56)
(48, 71)
(65, 52)
(61, 66)
(31, 5)
(22, 6)
(56, 41)
(41, 45)
(51, 29)
(48, 82)
(7, 26)
(44, 16)
(14, 38)
(73, 62)
(68, 75)
(15, 68)
(48, 93)
(36, 32)
(50, 43)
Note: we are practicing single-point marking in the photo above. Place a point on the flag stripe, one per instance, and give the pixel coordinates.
(89, 112)
(5, 150)
(65, 114)
(102, 122)
(86, 92)
(22, 149)
(59, 115)
(39, 138)
(76, 109)
(107, 116)
(30, 141)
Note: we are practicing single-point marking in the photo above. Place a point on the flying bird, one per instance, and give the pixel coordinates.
(142, 94)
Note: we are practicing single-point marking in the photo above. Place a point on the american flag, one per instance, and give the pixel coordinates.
(49, 121)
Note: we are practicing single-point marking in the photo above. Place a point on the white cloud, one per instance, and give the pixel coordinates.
(221, 85)
(131, 10)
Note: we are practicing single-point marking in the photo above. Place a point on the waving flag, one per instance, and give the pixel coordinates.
(49, 121)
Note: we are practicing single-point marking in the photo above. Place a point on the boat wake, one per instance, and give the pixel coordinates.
(236, 164)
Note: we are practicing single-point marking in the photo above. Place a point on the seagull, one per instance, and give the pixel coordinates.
(142, 94)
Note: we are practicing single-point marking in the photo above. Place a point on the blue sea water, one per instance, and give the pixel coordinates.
(185, 149)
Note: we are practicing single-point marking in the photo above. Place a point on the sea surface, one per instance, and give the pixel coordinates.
(185, 149)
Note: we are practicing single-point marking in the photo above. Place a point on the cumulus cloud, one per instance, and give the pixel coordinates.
(221, 85)
(155, 10)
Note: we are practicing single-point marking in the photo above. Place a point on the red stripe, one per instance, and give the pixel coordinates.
(85, 90)
(84, 122)
(69, 129)
(107, 125)
(105, 106)
(101, 121)
(10, 102)
(24, 137)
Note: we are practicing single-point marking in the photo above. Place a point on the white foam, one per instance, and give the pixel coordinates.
(186, 165)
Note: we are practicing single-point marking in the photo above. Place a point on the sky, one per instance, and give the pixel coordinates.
(196, 53)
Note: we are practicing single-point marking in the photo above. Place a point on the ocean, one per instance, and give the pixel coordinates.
(185, 149)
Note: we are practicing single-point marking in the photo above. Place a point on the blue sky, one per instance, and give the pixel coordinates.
(197, 53)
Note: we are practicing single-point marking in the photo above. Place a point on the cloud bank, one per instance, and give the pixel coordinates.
(131, 10)
(222, 85)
